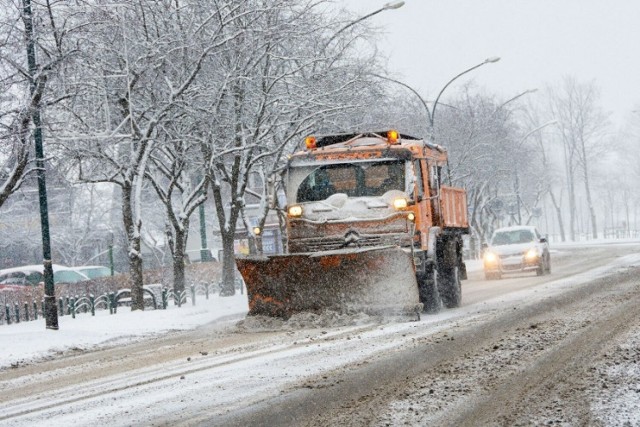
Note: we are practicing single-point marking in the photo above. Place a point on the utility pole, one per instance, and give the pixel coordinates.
(50, 308)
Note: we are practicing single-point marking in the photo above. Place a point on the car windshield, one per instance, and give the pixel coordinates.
(512, 237)
(94, 272)
(67, 276)
(352, 179)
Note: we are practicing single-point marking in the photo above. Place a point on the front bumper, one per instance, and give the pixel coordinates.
(512, 264)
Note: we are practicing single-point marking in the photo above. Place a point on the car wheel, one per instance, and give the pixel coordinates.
(541, 267)
(492, 275)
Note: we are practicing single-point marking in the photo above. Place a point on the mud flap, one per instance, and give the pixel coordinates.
(373, 280)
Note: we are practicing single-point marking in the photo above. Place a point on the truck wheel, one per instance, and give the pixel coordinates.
(428, 290)
(449, 287)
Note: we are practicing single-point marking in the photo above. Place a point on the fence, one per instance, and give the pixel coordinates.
(155, 296)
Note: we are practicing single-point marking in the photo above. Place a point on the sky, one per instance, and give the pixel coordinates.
(428, 42)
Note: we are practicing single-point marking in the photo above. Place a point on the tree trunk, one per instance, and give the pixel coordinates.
(135, 267)
(178, 260)
(559, 215)
(135, 255)
(592, 212)
(228, 264)
(572, 207)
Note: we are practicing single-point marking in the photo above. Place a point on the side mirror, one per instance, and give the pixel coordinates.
(543, 240)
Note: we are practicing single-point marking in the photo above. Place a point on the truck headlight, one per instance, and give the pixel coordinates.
(295, 210)
(400, 203)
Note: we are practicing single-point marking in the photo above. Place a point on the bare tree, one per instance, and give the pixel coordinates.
(276, 83)
(24, 89)
(176, 175)
(139, 67)
(583, 126)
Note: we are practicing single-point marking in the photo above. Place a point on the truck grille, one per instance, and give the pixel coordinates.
(332, 243)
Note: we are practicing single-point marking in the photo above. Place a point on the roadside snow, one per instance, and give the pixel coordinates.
(31, 340)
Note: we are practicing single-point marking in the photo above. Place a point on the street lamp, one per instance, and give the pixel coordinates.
(431, 112)
(490, 60)
(514, 98)
(387, 6)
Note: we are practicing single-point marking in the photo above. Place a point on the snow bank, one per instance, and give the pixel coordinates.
(31, 340)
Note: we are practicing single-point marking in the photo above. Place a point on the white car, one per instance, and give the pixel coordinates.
(516, 249)
(32, 275)
(94, 271)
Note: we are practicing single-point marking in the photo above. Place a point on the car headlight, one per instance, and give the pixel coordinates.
(490, 257)
(531, 254)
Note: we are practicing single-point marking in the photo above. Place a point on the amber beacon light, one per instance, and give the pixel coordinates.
(393, 136)
(310, 142)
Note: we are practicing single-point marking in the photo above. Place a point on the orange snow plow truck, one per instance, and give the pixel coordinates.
(370, 227)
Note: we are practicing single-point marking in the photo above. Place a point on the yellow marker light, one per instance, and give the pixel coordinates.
(531, 254)
(411, 217)
(490, 257)
(310, 142)
(393, 136)
(400, 203)
(295, 210)
(257, 231)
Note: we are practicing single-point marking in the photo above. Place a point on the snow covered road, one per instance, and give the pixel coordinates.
(509, 342)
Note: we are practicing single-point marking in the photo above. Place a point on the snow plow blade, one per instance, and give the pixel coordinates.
(372, 280)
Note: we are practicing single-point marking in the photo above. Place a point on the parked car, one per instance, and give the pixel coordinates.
(94, 271)
(516, 249)
(32, 275)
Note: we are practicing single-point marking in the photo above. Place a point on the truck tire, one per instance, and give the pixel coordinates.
(428, 290)
(450, 287)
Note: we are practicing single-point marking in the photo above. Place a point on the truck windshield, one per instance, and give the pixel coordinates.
(353, 179)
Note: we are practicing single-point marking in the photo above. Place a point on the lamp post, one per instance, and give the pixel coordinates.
(111, 269)
(490, 60)
(528, 91)
(50, 308)
(431, 112)
(387, 6)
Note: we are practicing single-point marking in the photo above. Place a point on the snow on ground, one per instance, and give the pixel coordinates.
(31, 340)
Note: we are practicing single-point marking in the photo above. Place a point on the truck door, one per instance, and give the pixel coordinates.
(423, 214)
(435, 184)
